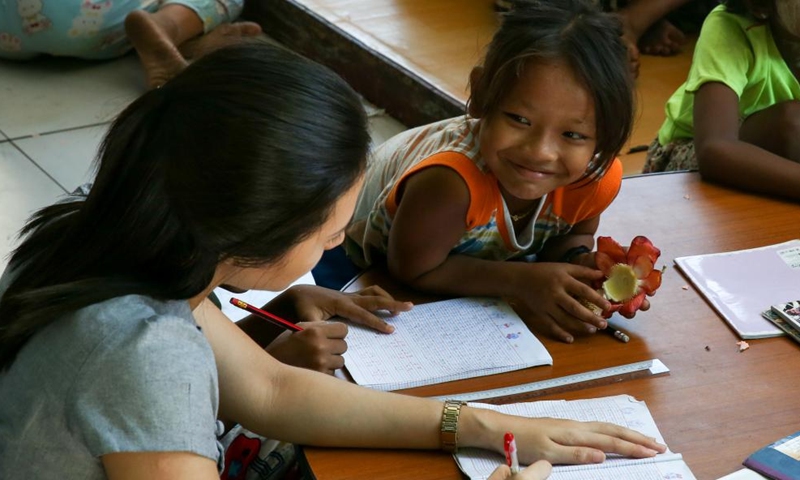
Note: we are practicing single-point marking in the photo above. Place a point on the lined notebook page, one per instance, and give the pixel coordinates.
(443, 341)
(622, 410)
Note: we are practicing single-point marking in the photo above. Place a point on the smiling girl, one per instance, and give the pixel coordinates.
(524, 176)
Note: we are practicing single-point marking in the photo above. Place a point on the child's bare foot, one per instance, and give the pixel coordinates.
(222, 36)
(663, 38)
(633, 54)
(630, 37)
(159, 55)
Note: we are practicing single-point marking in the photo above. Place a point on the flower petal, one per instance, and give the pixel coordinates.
(610, 247)
(604, 262)
(650, 284)
(642, 266)
(613, 308)
(642, 246)
(631, 306)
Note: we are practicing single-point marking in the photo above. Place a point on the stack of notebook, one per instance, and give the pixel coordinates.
(741, 284)
(786, 316)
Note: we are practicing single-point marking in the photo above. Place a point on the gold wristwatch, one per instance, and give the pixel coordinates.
(450, 413)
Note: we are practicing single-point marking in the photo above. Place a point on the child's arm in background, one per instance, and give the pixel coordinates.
(430, 220)
(724, 155)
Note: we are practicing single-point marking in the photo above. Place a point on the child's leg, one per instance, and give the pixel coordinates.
(177, 23)
(775, 129)
(218, 29)
(88, 30)
(647, 16)
(677, 155)
(156, 37)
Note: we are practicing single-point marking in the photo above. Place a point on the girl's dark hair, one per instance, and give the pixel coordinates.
(745, 7)
(241, 156)
(588, 40)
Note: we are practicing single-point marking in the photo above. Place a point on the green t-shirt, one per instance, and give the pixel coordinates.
(736, 51)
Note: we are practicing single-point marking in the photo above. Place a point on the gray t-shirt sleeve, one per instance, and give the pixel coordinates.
(154, 389)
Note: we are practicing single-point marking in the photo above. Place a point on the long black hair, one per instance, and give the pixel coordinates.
(241, 156)
(750, 7)
(588, 40)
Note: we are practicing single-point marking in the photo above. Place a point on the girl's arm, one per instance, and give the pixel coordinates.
(581, 235)
(724, 158)
(431, 219)
(306, 407)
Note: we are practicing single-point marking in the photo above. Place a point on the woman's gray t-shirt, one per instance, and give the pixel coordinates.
(130, 374)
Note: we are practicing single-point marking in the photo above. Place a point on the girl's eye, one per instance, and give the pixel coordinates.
(575, 136)
(518, 119)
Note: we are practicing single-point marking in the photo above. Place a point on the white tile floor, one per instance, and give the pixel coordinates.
(53, 113)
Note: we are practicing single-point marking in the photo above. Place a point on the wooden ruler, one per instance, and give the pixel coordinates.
(527, 391)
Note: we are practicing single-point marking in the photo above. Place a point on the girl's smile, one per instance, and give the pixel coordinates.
(532, 174)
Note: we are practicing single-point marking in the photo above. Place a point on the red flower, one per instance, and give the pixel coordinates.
(629, 275)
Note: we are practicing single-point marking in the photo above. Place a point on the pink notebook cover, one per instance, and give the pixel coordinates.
(742, 284)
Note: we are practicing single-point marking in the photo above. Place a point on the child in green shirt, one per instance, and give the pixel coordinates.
(735, 117)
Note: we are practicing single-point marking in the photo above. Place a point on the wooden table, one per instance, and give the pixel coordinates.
(717, 405)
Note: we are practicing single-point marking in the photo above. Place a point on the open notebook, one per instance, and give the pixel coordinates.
(622, 410)
(443, 341)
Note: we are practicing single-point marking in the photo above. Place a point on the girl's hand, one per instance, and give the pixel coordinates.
(587, 260)
(538, 471)
(546, 298)
(318, 347)
(309, 303)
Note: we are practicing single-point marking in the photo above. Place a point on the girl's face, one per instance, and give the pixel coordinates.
(304, 256)
(542, 135)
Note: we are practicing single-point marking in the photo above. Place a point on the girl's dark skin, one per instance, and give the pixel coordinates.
(762, 154)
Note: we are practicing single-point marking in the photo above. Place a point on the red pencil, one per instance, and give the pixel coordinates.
(266, 315)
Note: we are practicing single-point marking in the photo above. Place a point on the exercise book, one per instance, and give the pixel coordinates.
(779, 460)
(622, 410)
(441, 342)
(743, 283)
